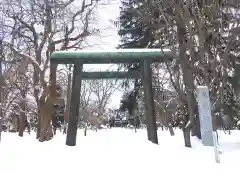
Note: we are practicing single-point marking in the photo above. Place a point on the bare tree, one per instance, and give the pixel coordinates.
(102, 92)
(40, 27)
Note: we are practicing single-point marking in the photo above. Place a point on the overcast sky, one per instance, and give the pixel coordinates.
(106, 14)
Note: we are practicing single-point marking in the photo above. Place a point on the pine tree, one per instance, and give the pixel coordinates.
(134, 30)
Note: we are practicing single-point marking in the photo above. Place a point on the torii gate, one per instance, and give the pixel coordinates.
(145, 57)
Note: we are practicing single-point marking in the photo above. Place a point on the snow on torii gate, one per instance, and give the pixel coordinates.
(145, 57)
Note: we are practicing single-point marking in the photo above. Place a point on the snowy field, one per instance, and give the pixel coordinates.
(117, 154)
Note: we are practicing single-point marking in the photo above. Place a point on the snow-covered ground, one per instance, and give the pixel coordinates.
(117, 154)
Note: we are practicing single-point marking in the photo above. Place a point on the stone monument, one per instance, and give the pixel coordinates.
(205, 115)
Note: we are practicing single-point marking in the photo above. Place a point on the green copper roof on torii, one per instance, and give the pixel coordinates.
(115, 56)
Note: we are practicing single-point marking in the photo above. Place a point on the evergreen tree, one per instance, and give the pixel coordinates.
(134, 32)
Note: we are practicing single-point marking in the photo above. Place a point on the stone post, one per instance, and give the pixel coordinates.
(204, 109)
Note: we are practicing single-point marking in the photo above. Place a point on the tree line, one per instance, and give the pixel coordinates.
(204, 35)
(29, 32)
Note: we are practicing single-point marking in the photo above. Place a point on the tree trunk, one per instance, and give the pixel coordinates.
(38, 125)
(36, 94)
(49, 133)
(189, 85)
(196, 129)
(135, 121)
(65, 129)
(171, 131)
(85, 130)
(1, 86)
(53, 68)
(187, 137)
(46, 131)
(22, 117)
